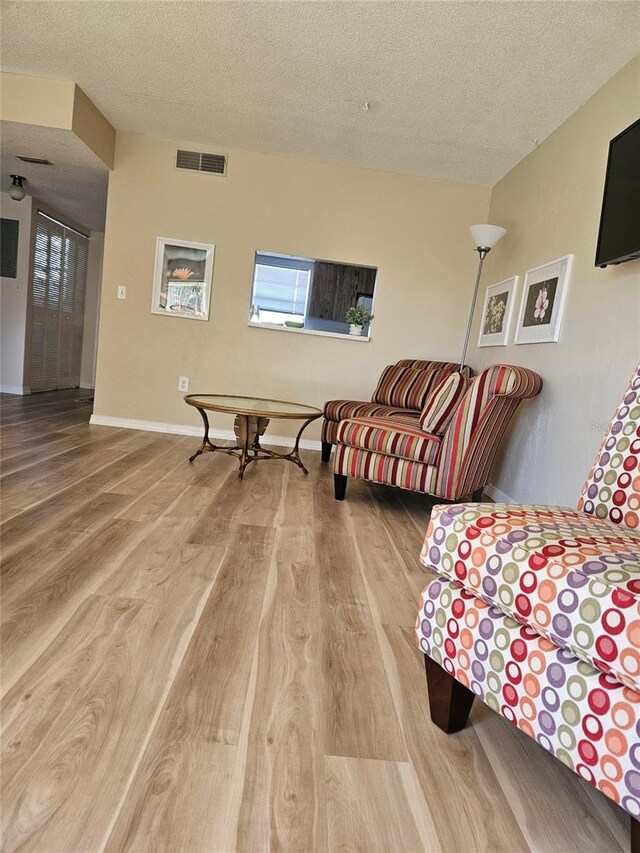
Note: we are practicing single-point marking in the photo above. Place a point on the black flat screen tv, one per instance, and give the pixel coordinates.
(619, 235)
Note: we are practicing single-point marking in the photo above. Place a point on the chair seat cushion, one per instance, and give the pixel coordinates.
(573, 578)
(397, 437)
(385, 470)
(586, 719)
(340, 410)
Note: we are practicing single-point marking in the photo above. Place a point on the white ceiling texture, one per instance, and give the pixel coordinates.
(455, 90)
(76, 183)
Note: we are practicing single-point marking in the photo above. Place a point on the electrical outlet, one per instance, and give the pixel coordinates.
(183, 383)
(122, 291)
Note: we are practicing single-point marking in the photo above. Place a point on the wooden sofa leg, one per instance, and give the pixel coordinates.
(340, 486)
(635, 835)
(476, 496)
(326, 451)
(450, 702)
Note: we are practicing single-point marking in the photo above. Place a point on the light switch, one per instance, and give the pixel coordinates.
(122, 291)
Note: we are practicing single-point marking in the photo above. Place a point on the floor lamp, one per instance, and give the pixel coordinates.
(485, 237)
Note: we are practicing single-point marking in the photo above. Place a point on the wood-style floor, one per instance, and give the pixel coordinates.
(191, 663)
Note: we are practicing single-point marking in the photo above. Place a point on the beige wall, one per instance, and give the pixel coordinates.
(92, 128)
(57, 103)
(413, 230)
(36, 100)
(13, 300)
(91, 310)
(550, 204)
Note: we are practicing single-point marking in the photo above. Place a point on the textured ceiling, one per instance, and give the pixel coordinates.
(76, 184)
(457, 90)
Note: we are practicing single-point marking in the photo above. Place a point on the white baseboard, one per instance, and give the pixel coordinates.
(181, 429)
(87, 386)
(22, 390)
(498, 495)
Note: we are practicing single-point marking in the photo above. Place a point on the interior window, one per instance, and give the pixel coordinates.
(309, 293)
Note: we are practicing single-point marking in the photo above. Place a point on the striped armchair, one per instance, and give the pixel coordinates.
(396, 451)
(401, 392)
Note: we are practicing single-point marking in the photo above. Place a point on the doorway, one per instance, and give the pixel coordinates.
(57, 304)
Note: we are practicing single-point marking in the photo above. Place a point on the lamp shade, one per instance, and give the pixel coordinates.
(487, 235)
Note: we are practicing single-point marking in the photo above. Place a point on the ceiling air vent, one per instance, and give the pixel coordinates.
(195, 161)
(39, 160)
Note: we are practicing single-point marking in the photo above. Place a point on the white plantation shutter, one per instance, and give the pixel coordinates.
(69, 273)
(281, 284)
(40, 266)
(82, 253)
(39, 304)
(57, 305)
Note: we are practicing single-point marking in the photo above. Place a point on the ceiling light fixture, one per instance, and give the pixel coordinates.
(16, 190)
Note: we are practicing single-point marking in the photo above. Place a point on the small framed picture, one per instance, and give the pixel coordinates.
(182, 279)
(543, 299)
(497, 313)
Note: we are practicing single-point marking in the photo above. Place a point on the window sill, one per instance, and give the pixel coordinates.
(277, 328)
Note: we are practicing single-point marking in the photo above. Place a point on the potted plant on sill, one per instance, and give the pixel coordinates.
(358, 316)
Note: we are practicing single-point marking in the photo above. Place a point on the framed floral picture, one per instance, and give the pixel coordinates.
(543, 299)
(499, 300)
(182, 279)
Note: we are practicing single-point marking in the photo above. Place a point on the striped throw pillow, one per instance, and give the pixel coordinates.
(442, 403)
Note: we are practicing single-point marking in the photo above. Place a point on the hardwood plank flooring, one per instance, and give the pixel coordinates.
(192, 664)
(283, 799)
(447, 765)
(359, 717)
(47, 604)
(361, 794)
(209, 694)
(178, 800)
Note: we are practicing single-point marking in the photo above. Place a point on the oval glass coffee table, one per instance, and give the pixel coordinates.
(252, 417)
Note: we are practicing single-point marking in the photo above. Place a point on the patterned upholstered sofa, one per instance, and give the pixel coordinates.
(536, 610)
(456, 463)
(401, 392)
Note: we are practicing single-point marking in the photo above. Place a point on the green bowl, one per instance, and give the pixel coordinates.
(294, 324)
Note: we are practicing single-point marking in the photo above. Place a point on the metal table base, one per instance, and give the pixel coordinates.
(248, 452)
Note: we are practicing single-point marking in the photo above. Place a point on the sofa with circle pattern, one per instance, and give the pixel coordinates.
(536, 611)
